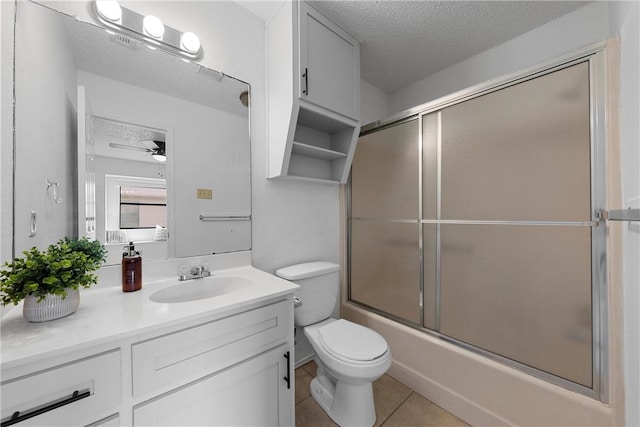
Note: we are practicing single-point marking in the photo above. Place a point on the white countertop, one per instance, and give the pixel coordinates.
(107, 314)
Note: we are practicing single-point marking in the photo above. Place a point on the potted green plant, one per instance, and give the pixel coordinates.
(49, 280)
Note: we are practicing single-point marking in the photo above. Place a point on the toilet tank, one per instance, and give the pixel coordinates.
(319, 283)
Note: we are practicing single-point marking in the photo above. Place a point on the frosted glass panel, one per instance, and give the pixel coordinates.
(523, 292)
(430, 166)
(384, 174)
(521, 153)
(385, 267)
(430, 301)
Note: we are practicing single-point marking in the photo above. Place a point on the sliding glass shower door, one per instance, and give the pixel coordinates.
(475, 221)
(385, 251)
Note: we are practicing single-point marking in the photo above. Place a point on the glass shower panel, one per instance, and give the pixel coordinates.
(520, 153)
(385, 174)
(430, 288)
(523, 292)
(385, 267)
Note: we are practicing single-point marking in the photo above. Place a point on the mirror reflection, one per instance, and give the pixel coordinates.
(153, 149)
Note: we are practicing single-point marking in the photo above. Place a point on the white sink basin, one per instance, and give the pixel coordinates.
(198, 289)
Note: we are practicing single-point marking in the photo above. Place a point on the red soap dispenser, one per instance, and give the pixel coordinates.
(131, 269)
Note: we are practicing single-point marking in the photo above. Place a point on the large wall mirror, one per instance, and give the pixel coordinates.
(120, 142)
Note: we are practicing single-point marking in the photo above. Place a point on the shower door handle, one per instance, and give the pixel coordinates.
(619, 215)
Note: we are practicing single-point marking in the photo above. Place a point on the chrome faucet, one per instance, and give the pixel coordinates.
(197, 272)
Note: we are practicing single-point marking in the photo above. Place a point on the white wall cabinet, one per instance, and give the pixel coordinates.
(313, 77)
(329, 64)
(233, 368)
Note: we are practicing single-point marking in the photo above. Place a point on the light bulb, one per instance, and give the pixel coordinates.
(190, 42)
(153, 26)
(109, 9)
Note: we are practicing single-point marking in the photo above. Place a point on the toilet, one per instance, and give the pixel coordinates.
(349, 356)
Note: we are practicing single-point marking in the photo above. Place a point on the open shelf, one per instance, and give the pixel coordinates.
(307, 150)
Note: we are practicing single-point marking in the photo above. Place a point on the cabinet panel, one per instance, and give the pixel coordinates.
(329, 64)
(182, 356)
(253, 393)
(112, 421)
(98, 376)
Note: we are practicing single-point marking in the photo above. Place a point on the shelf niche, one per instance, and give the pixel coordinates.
(322, 148)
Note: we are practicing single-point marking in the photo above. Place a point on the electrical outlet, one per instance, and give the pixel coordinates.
(205, 193)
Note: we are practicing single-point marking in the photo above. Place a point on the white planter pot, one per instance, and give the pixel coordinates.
(51, 307)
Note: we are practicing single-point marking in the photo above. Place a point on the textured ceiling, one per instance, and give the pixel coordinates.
(405, 41)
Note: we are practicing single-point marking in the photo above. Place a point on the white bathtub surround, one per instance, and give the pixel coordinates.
(474, 388)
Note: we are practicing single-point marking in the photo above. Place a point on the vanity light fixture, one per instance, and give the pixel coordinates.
(148, 29)
(190, 42)
(153, 27)
(109, 9)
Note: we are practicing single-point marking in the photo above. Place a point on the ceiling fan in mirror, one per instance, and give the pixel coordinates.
(155, 148)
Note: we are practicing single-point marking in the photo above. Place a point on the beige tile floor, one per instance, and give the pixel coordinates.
(396, 405)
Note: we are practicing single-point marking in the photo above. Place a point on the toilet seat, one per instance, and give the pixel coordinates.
(352, 343)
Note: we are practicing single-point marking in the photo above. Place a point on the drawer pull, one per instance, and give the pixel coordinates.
(288, 377)
(16, 417)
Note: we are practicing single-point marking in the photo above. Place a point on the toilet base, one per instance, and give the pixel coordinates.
(346, 404)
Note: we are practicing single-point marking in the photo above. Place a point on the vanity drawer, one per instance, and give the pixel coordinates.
(52, 393)
(183, 356)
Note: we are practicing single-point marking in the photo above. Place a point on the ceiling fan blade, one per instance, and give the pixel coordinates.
(129, 147)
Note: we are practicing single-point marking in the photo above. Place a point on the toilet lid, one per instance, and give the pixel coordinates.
(352, 341)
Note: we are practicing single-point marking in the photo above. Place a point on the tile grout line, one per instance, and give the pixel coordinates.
(395, 410)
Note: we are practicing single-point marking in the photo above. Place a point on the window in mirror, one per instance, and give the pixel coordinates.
(136, 209)
(143, 207)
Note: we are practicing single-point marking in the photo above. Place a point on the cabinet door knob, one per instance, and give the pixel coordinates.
(306, 81)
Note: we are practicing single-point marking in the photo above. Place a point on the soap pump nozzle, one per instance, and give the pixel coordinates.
(129, 250)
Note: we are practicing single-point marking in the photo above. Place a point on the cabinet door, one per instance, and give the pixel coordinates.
(252, 393)
(329, 64)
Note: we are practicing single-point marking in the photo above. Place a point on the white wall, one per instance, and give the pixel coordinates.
(6, 130)
(46, 130)
(374, 103)
(625, 21)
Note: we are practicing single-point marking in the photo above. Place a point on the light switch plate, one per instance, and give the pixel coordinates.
(205, 193)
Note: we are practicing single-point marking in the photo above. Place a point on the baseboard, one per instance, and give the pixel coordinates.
(305, 359)
(447, 399)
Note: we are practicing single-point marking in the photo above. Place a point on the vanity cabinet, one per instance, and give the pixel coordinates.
(313, 78)
(80, 392)
(229, 371)
(232, 367)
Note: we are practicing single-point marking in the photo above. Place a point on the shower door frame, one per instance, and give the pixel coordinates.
(595, 55)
